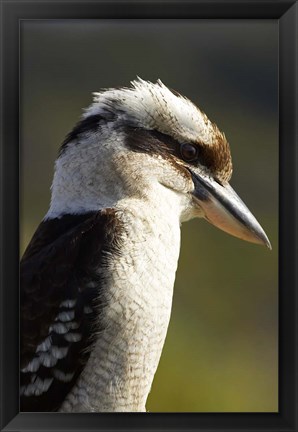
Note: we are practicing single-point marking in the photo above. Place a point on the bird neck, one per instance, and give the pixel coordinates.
(138, 298)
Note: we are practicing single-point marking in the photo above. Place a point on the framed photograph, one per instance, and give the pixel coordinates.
(122, 121)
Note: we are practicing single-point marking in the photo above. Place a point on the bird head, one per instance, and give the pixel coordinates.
(147, 141)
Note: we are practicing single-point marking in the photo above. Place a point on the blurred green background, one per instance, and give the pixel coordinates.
(221, 352)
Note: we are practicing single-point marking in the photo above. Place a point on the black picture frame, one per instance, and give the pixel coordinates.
(286, 12)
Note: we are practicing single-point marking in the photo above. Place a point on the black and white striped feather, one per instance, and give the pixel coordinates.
(61, 281)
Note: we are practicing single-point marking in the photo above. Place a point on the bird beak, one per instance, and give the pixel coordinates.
(223, 208)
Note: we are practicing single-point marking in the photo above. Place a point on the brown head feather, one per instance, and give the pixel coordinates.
(217, 157)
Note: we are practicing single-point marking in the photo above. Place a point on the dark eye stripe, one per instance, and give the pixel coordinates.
(215, 158)
(155, 142)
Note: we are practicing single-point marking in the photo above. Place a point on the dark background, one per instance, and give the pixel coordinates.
(221, 349)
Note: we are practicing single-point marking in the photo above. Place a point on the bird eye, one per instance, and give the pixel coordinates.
(189, 152)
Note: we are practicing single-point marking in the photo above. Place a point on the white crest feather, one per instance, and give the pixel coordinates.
(154, 106)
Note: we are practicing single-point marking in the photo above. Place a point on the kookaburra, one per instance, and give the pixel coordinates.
(97, 277)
